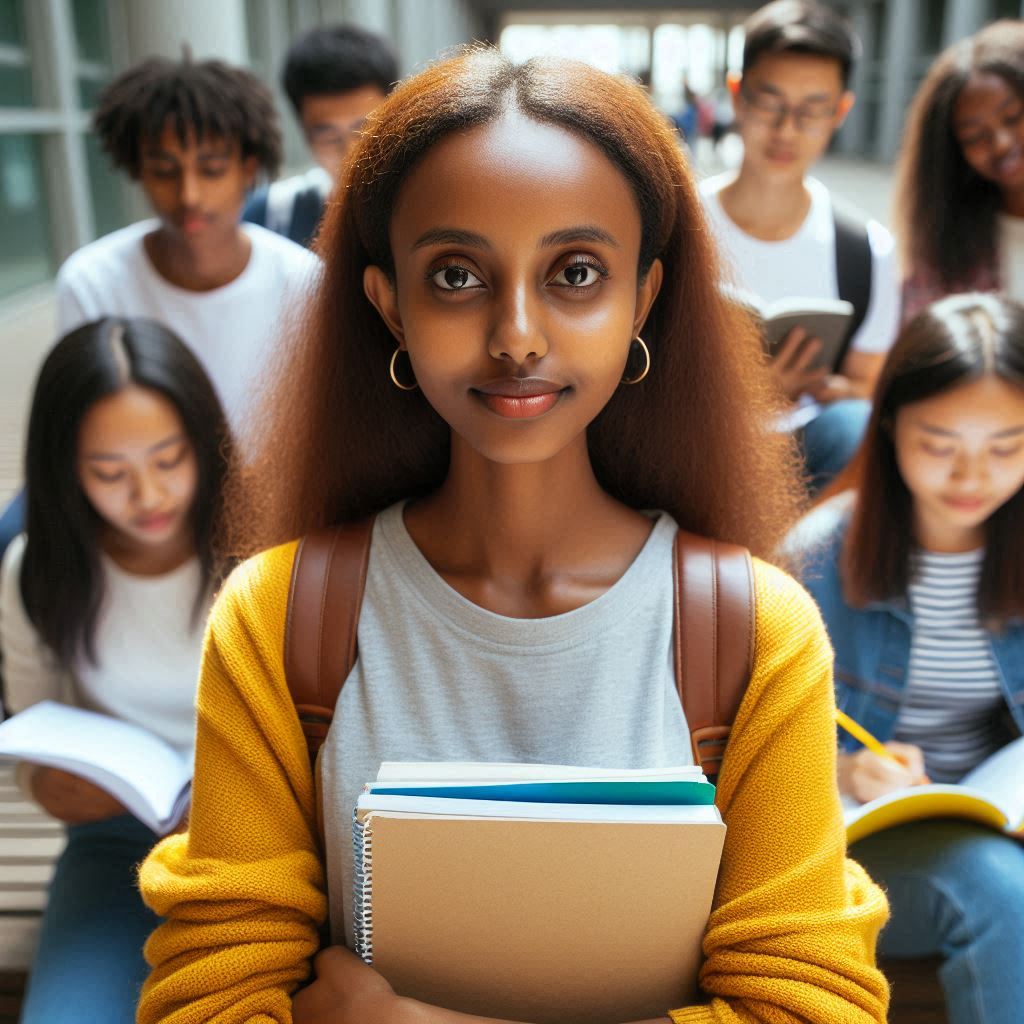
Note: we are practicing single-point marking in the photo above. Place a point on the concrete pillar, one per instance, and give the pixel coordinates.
(963, 18)
(902, 30)
(852, 137)
(160, 27)
(373, 15)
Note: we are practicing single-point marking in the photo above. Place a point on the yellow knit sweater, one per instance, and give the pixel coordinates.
(792, 934)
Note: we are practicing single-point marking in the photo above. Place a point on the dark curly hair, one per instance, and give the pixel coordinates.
(207, 98)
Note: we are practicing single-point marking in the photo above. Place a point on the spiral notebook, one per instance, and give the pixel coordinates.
(554, 911)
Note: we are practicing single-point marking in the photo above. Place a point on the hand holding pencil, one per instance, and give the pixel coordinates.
(877, 768)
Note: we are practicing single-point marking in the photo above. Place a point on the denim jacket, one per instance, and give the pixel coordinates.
(872, 644)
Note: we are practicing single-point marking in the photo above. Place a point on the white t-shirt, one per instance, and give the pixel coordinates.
(1011, 256)
(804, 266)
(232, 329)
(148, 647)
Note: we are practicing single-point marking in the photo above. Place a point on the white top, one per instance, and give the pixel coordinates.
(953, 703)
(1011, 256)
(232, 329)
(148, 648)
(804, 266)
(439, 678)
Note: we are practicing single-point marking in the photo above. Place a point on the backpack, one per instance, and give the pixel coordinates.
(713, 635)
(853, 269)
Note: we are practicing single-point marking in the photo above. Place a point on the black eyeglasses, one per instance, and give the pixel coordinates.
(771, 111)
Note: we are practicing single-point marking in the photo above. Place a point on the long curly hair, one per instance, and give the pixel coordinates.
(695, 439)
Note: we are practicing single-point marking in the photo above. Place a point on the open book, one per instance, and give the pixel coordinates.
(537, 892)
(828, 320)
(148, 776)
(992, 794)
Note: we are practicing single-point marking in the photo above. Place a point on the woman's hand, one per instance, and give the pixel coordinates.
(347, 991)
(72, 799)
(866, 776)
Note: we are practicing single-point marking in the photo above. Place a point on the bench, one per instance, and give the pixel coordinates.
(30, 843)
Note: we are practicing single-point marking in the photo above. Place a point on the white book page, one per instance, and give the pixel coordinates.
(441, 807)
(139, 769)
(1001, 778)
(395, 773)
(793, 306)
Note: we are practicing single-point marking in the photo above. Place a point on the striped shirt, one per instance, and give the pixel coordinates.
(953, 704)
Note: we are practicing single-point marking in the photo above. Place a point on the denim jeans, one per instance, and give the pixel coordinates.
(956, 890)
(89, 967)
(830, 440)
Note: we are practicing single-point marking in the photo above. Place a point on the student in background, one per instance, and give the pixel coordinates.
(194, 135)
(784, 236)
(334, 77)
(509, 384)
(103, 602)
(960, 178)
(918, 568)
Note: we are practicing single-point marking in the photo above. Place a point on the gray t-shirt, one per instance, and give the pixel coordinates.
(440, 679)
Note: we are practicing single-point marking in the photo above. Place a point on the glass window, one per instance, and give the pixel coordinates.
(25, 253)
(15, 86)
(106, 188)
(89, 88)
(91, 33)
(12, 31)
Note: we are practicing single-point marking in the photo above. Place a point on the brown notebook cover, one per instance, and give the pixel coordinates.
(553, 922)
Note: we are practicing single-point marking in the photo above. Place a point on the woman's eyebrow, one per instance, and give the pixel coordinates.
(977, 118)
(583, 233)
(451, 236)
(1008, 432)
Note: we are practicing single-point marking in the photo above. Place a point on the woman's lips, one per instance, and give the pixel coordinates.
(966, 504)
(153, 524)
(520, 397)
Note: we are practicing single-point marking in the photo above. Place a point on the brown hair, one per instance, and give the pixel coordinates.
(694, 438)
(945, 211)
(955, 340)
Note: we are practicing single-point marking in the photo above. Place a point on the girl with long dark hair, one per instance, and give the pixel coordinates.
(960, 179)
(520, 360)
(918, 568)
(103, 602)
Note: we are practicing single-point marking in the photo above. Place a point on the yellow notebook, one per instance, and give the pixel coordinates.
(992, 794)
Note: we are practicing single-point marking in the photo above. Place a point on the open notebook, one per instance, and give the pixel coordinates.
(992, 794)
(537, 893)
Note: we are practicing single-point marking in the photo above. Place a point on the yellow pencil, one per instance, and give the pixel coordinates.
(858, 732)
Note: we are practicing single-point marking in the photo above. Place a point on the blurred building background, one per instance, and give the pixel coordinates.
(56, 191)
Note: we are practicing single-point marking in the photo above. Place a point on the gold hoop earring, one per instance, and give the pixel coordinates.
(394, 380)
(647, 361)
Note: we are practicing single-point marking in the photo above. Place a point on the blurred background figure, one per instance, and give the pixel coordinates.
(333, 76)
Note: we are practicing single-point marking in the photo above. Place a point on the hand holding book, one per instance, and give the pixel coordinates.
(71, 798)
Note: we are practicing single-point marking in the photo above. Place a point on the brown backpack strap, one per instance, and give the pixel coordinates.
(324, 601)
(714, 640)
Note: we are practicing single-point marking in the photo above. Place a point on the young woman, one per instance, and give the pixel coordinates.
(473, 371)
(960, 190)
(102, 604)
(917, 569)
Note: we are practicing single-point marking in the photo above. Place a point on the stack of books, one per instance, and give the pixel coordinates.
(537, 892)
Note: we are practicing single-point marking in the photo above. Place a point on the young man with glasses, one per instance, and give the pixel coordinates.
(782, 234)
(334, 76)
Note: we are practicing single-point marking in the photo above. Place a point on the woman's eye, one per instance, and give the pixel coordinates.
(940, 453)
(454, 279)
(108, 478)
(1006, 453)
(173, 462)
(578, 275)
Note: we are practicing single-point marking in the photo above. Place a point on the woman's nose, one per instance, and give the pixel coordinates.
(516, 333)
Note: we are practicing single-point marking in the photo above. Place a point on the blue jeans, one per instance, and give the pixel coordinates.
(12, 522)
(831, 439)
(956, 890)
(89, 966)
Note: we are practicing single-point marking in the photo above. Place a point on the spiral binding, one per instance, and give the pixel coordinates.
(362, 880)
